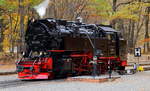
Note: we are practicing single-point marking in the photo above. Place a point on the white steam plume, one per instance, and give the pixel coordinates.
(41, 8)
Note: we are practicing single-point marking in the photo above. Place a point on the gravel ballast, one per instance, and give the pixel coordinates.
(137, 82)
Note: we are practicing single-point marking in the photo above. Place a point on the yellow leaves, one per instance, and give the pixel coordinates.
(6, 43)
(145, 40)
(12, 2)
(30, 3)
(130, 11)
(7, 32)
(12, 5)
(11, 31)
(5, 16)
(124, 15)
(100, 8)
(11, 20)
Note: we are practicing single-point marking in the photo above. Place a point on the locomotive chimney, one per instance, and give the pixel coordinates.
(79, 19)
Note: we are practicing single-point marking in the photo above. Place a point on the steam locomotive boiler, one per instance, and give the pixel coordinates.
(60, 48)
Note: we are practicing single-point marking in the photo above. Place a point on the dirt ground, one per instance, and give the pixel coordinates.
(8, 66)
(8, 58)
(7, 62)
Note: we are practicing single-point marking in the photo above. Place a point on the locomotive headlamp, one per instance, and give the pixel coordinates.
(41, 53)
(23, 53)
(101, 54)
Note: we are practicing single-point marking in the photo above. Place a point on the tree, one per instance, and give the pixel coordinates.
(132, 14)
(66, 9)
(146, 44)
(15, 14)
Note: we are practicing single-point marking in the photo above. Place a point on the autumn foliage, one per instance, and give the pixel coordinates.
(130, 17)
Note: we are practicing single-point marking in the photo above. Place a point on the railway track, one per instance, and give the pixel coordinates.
(17, 83)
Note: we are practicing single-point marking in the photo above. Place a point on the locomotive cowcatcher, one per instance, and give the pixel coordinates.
(59, 48)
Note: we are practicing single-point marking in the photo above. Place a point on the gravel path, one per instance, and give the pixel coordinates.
(136, 82)
(8, 78)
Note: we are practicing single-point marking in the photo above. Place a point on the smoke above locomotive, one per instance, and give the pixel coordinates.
(41, 8)
(53, 34)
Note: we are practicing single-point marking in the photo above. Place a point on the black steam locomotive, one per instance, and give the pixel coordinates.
(57, 47)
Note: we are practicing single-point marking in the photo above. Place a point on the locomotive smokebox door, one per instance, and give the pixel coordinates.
(137, 52)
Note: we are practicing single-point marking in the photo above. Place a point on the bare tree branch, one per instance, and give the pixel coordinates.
(124, 3)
